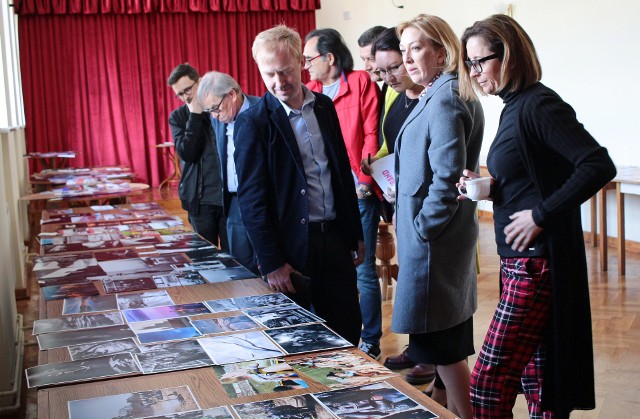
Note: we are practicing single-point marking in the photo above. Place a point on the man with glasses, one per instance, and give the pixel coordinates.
(356, 98)
(200, 188)
(220, 96)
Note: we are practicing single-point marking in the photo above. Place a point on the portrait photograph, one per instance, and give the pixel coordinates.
(307, 338)
(239, 347)
(83, 321)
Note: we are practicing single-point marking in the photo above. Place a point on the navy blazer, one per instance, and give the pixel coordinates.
(220, 129)
(272, 186)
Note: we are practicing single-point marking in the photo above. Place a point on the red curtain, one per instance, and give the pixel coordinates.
(96, 83)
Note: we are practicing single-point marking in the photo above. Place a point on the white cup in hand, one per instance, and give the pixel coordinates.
(476, 189)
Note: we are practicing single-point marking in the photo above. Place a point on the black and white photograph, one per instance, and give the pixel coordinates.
(83, 370)
(224, 324)
(164, 330)
(78, 289)
(166, 281)
(303, 406)
(307, 338)
(91, 304)
(84, 321)
(169, 259)
(144, 299)
(266, 300)
(282, 316)
(239, 347)
(173, 356)
(122, 265)
(78, 337)
(196, 266)
(227, 274)
(207, 254)
(165, 312)
(141, 404)
(142, 282)
(190, 278)
(417, 413)
(222, 306)
(220, 412)
(371, 401)
(94, 350)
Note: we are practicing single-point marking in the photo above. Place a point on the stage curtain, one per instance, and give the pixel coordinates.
(96, 83)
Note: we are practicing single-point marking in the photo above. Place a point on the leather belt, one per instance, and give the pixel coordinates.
(321, 227)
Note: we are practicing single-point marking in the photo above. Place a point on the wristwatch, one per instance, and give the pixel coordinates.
(365, 193)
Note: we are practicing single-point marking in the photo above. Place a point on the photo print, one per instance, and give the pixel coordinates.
(263, 376)
(79, 289)
(307, 338)
(222, 306)
(173, 356)
(282, 316)
(94, 350)
(141, 404)
(84, 321)
(372, 401)
(341, 369)
(83, 370)
(79, 337)
(90, 304)
(143, 299)
(303, 406)
(220, 412)
(116, 254)
(227, 274)
(141, 283)
(165, 312)
(265, 300)
(239, 347)
(224, 324)
(164, 330)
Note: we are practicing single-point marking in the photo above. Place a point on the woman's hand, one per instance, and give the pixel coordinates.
(468, 174)
(521, 231)
(365, 165)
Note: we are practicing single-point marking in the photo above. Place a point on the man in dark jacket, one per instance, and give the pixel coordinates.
(200, 187)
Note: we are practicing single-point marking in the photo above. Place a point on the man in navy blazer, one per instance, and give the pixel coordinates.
(221, 96)
(295, 187)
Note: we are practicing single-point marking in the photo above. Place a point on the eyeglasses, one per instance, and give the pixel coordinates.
(186, 91)
(307, 60)
(216, 108)
(477, 64)
(393, 71)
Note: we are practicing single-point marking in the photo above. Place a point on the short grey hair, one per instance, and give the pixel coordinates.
(216, 84)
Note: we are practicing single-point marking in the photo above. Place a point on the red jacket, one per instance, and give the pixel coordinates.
(357, 105)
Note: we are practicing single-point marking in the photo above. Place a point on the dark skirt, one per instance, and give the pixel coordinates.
(443, 347)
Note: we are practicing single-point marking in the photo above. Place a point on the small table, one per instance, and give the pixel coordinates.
(53, 159)
(95, 199)
(177, 170)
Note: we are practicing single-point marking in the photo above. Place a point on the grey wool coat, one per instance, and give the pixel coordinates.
(437, 234)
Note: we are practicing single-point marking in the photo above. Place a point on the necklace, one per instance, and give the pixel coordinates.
(430, 84)
(407, 103)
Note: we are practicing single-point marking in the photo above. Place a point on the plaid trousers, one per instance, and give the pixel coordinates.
(513, 348)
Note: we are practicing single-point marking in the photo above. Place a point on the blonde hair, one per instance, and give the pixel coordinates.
(519, 64)
(440, 33)
(279, 37)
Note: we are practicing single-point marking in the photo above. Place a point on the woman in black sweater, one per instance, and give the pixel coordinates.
(544, 165)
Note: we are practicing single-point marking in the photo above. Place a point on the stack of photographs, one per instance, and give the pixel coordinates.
(142, 404)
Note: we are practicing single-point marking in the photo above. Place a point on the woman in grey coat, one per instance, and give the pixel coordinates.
(436, 293)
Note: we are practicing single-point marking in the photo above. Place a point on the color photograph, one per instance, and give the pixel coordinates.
(165, 312)
(142, 282)
(79, 289)
(141, 404)
(303, 406)
(164, 330)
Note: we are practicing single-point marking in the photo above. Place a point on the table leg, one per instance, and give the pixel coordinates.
(602, 194)
(621, 238)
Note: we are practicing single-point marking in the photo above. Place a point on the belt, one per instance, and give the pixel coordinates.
(321, 227)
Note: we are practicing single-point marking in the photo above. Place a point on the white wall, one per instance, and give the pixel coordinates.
(585, 47)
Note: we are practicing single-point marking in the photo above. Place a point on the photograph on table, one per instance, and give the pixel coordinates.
(190, 278)
(139, 206)
(84, 321)
(227, 274)
(165, 312)
(166, 281)
(116, 254)
(341, 369)
(78, 289)
(122, 265)
(91, 304)
(303, 406)
(240, 347)
(264, 300)
(282, 316)
(262, 376)
(222, 306)
(83, 370)
(196, 266)
(94, 350)
(136, 282)
(307, 338)
(168, 259)
(79, 337)
(143, 299)
(181, 243)
(140, 404)
(371, 401)
(69, 267)
(164, 330)
(172, 356)
(224, 324)
(207, 254)
(92, 237)
(220, 412)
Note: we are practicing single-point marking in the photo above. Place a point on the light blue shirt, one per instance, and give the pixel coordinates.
(314, 158)
(232, 175)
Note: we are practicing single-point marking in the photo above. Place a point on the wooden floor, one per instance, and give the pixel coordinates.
(615, 305)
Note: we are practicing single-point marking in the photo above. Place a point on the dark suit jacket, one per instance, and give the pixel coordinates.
(220, 130)
(272, 187)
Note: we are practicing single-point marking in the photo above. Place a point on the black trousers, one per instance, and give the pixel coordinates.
(210, 223)
(334, 285)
